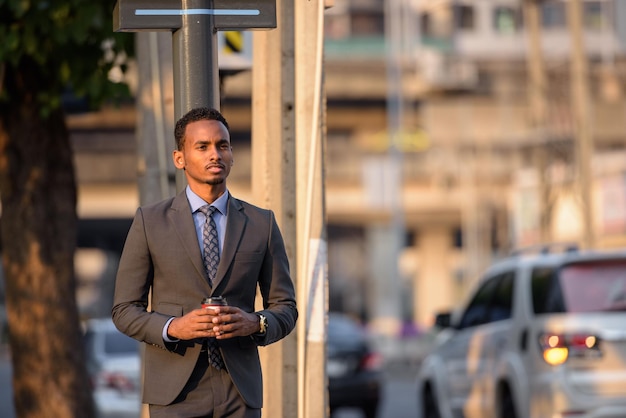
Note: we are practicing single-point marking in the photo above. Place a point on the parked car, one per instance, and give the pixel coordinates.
(542, 336)
(114, 366)
(353, 367)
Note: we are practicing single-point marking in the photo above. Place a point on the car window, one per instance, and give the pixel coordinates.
(492, 302)
(476, 312)
(546, 291)
(502, 303)
(580, 287)
(594, 287)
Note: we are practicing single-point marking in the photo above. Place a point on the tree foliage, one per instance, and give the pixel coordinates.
(46, 48)
(70, 40)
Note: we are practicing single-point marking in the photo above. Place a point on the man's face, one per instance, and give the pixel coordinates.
(207, 155)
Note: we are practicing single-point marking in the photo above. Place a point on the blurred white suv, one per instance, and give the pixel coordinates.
(542, 336)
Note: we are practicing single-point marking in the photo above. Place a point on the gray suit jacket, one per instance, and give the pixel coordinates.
(162, 256)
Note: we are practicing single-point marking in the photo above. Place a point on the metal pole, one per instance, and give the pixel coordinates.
(155, 116)
(196, 71)
(582, 116)
(387, 238)
(537, 102)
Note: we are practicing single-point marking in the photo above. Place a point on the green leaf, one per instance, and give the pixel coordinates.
(64, 38)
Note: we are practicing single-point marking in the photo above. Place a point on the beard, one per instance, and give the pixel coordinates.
(216, 181)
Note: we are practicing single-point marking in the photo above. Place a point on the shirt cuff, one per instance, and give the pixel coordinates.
(165, 337)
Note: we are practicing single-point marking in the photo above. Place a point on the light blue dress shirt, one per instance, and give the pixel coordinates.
(221, 203)
(196, 202)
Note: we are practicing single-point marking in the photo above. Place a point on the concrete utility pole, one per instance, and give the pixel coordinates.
(538, 107)
(312, 238)
(155, 116)
(288, 127)
(274, 185)
(582, 117)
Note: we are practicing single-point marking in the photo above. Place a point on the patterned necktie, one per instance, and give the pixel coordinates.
(211, 252)
(211, 259)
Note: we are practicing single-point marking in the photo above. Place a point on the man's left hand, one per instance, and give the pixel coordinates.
(233, 322)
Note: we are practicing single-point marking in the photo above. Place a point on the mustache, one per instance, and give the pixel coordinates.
(219, 165)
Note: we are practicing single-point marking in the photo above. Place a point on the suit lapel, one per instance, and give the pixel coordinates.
(235, 225)
(182, 220)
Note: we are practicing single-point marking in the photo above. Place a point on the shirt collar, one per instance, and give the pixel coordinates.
(197, 202)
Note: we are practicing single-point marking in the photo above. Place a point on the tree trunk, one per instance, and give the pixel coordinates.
(38, 235)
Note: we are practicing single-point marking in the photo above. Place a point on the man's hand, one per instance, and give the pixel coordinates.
(233, 322)
(221, 322)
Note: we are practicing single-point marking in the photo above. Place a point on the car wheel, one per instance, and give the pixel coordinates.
(370, 411)
(507, 403)
(430, 408)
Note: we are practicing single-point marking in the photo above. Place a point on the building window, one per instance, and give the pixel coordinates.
(436, 29)
(553, 15)
(367, 24)
(457, 238)
(464, 17)
(594, 17)
(426, 28)
(336, 26)
(507, 20)
(345, 22)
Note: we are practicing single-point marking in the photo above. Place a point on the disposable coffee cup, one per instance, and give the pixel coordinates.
(213, 301)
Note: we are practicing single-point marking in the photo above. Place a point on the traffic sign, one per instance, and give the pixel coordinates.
(194, 25)
(234, 49)
(152, 15)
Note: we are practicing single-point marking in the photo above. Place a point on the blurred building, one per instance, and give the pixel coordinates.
(442, 115)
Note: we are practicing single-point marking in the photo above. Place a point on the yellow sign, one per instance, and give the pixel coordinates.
(415, 140)
(234, 50)
(233, 42)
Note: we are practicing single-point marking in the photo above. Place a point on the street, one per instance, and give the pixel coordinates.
(398, 396)
(399, 400)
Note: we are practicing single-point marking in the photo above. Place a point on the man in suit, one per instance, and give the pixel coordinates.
(162, 280)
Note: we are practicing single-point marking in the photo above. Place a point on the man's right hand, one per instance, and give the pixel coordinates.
(198, 323)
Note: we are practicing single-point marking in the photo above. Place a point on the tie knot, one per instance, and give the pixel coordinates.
(208, 210)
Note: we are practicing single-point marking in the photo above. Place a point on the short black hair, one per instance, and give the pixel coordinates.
(195, 115)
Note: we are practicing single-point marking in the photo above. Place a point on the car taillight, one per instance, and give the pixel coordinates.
(371, 361)
(557, 348)
(115, 380)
